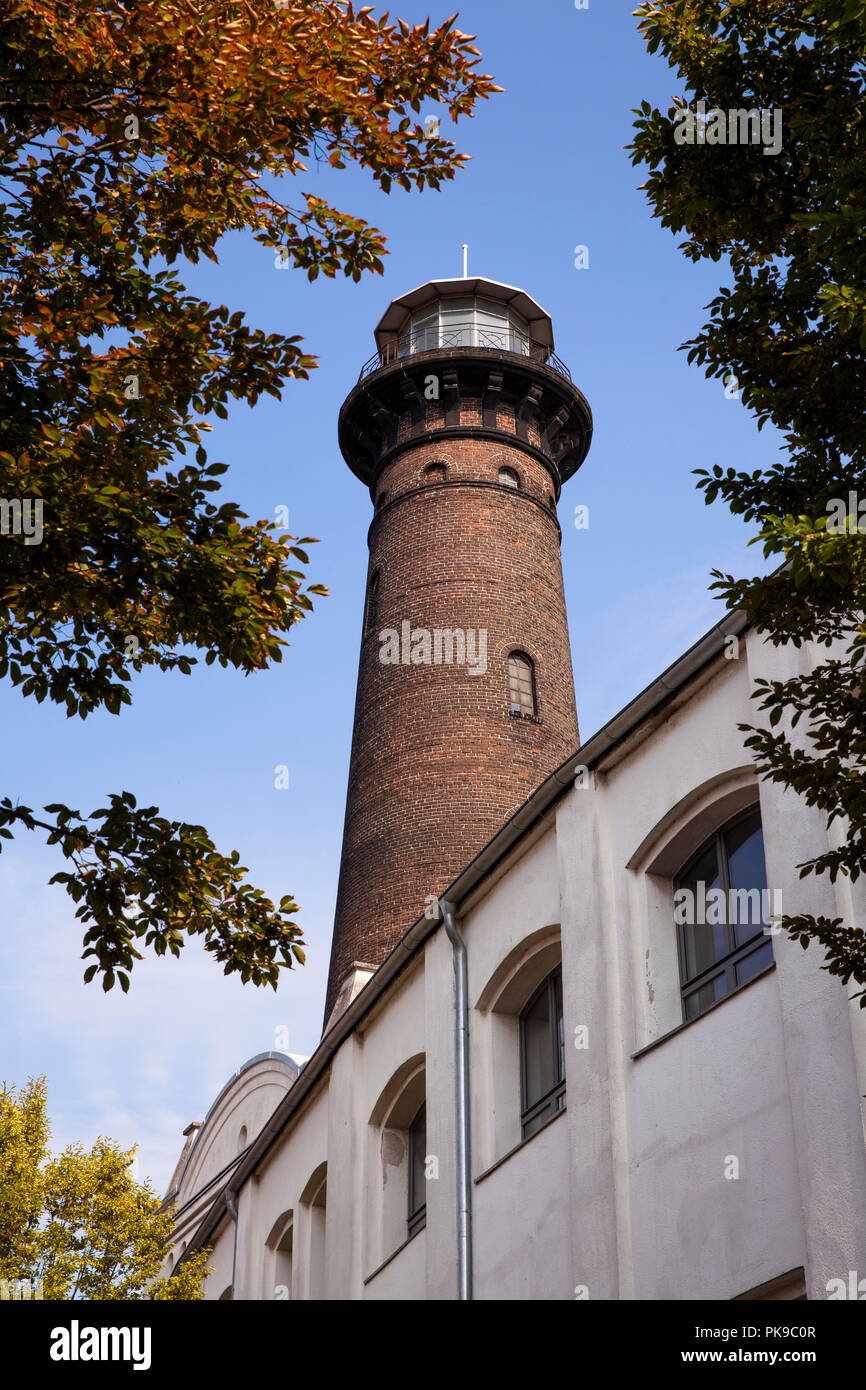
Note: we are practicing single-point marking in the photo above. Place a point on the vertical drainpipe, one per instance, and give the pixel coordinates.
(461, 1038)
(233, 1213)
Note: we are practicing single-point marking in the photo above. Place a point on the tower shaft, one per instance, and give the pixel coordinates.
(465, 698)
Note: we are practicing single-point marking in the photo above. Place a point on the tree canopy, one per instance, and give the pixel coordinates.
(791, 327)
(78, 1225)
(134, 136)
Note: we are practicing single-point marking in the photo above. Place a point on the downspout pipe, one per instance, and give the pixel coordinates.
(233, 1213)
(461, 1041)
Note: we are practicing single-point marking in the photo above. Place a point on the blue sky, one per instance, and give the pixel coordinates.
(548, 173)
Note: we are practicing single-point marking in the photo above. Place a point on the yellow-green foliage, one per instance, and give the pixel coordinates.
(79, 1222)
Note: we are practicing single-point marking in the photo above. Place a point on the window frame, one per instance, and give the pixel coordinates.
(520, 713)
(416, 1216)
(554, 1098)
(473, 320)
(371, 606)
(726, 965)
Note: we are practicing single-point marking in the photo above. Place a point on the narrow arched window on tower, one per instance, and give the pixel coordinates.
(371, 613)
(435, 472)
(521, 684)
(508, 477)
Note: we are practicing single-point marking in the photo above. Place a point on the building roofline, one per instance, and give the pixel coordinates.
(673, 679)
(285, 1057)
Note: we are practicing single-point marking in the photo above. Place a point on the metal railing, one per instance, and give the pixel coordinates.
(468, 335)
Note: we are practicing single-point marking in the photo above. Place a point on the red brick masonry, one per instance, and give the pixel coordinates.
(438, 760)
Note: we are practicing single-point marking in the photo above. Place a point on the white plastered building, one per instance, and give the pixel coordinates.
(669, 1157)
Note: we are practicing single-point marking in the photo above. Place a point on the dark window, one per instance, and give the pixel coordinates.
(521, 684)
(508, 477)
(381, 499)
(372, 611)
(542, 1056)
(435, 472)
(721, 908)
(417, 1174)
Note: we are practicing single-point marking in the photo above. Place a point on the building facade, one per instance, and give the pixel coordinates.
(662, 1094)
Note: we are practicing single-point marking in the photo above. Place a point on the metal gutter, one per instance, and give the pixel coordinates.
(232, 1210)
(461, 1059)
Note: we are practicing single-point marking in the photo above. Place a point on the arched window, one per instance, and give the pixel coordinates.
(542, 1056)
(242, 1138)
(521, 684)
(417, 1174)
(397, 1175)
(381, 499)
(283, 1264)
(502, 1049)
(371, 612)
(721, 908)
(314, 1203)
(279, 1251)
(436, 472)
(508, 477)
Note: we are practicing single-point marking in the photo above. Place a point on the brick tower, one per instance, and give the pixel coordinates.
(464, 426)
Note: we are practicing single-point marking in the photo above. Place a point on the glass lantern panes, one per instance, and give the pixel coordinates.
(465, 322)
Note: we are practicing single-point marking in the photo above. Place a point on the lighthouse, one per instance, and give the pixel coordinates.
(464, 426)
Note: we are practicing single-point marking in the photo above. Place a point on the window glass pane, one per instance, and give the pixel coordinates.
(418, 1142)
(754, 962)
(457, 318)
(372, 604)
(518, 334)
(492, 321)
(537, 1052)
(701, 999)
(425, 339)
(560, 1035)
(703, 943)
(520, 692)
(453, 309)
(424, 330)
(530, 1126)
(744, 845)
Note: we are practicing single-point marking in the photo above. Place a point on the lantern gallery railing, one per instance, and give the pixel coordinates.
(467, 335)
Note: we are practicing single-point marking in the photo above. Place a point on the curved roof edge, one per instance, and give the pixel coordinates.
(292, 1060)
